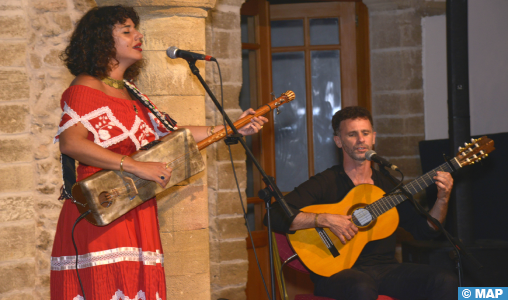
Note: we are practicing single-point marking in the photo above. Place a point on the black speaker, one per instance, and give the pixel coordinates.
(490, 200)
(492, 254)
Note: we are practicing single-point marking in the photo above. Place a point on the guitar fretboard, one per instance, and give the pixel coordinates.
(386, 203)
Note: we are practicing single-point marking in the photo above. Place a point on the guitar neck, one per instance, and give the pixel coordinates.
(386, 203)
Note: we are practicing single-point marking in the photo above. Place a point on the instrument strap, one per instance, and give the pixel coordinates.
(69, 164)
(69, 176)
(164, 118)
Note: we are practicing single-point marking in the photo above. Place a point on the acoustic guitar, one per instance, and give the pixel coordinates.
(375, 216)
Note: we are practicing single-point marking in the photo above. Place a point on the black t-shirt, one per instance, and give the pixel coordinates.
(331, 186)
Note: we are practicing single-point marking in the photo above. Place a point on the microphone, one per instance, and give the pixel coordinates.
(174, 52)
(372, 156)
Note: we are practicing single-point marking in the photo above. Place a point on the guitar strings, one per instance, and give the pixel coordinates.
(386, 203)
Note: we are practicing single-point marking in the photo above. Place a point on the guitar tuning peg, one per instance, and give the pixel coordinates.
(278, 111)
(486, 155)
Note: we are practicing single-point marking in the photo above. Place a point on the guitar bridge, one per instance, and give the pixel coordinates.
(328, 242)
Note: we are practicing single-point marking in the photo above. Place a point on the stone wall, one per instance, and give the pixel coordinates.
(228, 252)
(32, 35)
(183, 209)
(396, 78)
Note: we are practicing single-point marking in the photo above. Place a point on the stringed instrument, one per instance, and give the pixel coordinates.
(375, 216)
(111, 194)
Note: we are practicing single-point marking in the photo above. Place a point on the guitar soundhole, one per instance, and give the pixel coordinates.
(105, 199)
(362, 217)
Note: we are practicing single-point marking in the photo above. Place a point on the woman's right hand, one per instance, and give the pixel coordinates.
(153, 171)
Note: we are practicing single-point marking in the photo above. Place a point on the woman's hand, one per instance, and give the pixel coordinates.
(153, 171)
(255, 125)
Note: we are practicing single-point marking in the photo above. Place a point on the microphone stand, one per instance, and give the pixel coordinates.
(267, 193)
(458, 247)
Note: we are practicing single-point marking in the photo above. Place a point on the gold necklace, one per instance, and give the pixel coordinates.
(117, 84)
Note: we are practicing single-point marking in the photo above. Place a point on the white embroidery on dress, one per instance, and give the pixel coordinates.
(157, 296)
(74, 119)
(120, 296)
(106, 257)
(102, 123)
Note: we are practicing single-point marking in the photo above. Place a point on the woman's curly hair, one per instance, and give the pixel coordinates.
(92, 45)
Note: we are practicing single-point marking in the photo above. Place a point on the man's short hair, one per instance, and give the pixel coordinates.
(350, 112)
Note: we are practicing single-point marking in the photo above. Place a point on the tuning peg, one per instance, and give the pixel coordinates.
(486, 155)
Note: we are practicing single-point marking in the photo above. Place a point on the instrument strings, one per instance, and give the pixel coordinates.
(386, 203)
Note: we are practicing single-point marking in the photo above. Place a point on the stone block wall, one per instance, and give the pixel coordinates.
(32, 35)
(228, 252)
(397, 82)
(396, 78)
(183, 209)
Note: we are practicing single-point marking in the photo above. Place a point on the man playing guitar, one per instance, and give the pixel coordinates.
(376, 271)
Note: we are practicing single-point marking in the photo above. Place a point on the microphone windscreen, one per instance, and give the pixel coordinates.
(368, 154)
(171, 52)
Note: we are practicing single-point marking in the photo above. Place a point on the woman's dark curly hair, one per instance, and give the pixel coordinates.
(92, 45)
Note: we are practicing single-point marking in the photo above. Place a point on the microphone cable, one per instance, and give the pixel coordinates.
(76, 248)
(238, 188)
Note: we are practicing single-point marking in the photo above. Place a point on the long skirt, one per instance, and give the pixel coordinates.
(122, 260)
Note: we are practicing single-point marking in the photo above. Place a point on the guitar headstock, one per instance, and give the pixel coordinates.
(290, 95)
(475, 151)
(286, 97)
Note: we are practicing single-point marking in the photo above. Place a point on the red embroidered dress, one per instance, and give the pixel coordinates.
(124, 259)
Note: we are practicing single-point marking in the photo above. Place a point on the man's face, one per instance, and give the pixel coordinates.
(356, 137)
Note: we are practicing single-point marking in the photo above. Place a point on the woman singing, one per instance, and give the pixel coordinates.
(102, 123)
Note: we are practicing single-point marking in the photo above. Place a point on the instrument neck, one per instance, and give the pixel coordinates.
(386, 203)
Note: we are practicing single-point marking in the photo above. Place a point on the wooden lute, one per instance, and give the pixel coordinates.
(375, 216)
(109, 195)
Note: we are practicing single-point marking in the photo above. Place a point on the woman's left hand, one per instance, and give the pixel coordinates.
(255, 125)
